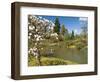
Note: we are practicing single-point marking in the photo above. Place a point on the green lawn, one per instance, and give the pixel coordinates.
(47, 61)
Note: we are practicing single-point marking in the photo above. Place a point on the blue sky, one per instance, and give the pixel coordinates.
(71, 23)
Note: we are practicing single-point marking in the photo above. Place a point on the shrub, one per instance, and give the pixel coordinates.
(47, 36)
(53, 39)
(61, 38)
(80, 45)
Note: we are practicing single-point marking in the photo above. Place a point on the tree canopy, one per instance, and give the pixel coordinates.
(63, 30)
(57, 26)
(72, 34)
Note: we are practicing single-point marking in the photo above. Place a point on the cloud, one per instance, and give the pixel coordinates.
(83, 19)
(75, 30)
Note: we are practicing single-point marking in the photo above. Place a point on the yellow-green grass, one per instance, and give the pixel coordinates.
(48, 61)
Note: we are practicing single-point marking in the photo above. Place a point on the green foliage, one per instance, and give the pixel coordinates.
(80, 45)
(46, 61)
(66, 37)
(47, 36)
(72, 35)
(65, 33)
(53, 61)
(84, 31)
(67, 46)
(57, 26)
(61, 38)
(63, 30)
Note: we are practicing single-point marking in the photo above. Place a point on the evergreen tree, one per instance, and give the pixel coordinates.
(84, 32)
(72, 35)
(63, 30)
(66, 34)
(57, 26)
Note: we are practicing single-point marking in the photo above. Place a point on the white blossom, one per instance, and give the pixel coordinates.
(30, 16)
(36, 44)
(31, 27)
(36, 30)
(36, 35)
(30, 34)
(41, 48)
(57, 38)
(37, 39)
(54, 34)
(39, 27)
(29, 37)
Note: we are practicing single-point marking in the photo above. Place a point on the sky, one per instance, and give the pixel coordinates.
(71, 23)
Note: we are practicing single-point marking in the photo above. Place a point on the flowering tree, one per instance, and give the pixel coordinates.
(38, 29)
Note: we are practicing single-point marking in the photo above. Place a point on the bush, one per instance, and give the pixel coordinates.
(61, 38)
(80, 45)
(47, 36)
(53, 39)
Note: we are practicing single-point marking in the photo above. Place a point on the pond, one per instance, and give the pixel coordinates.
(72, 54)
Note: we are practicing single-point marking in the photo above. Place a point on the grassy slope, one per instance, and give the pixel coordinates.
(59, 50)
(47, 61)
